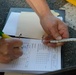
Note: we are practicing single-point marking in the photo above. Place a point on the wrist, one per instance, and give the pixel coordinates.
(47, 14)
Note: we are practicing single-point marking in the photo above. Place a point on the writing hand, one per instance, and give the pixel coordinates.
(10, 50)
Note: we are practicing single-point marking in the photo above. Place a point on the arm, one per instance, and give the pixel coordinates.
(54, 27)
(40, 7)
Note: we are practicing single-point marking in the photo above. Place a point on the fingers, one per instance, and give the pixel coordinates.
(59, 30)
(14, 42)
(14, 46)
(4, 59)
(64, 31)
(46, 40)
(17, 53)
(10, 49)
(55, 33)
(55, 28)
(3, 47)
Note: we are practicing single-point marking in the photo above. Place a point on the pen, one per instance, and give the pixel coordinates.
(63, 40)
(3, 35)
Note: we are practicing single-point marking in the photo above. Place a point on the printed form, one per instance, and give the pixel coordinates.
(36, 57)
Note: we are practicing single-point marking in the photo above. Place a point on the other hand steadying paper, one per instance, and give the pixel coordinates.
(54, 27)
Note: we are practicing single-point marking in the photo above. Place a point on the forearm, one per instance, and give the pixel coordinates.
(40, 7)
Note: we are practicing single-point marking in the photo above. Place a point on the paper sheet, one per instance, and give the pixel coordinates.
(36, 57)
(29, 25)
(11, 24)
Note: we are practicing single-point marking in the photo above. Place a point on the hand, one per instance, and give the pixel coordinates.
(9, 50)
(55, 29)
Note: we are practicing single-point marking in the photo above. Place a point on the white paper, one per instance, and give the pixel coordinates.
(36, 57)
(11, 24)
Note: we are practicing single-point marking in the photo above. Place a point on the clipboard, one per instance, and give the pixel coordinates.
(62, 13)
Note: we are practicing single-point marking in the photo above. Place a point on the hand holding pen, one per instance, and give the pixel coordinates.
(49, 40)
(10, 49)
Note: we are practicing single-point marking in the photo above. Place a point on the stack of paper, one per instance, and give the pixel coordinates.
(25, 23)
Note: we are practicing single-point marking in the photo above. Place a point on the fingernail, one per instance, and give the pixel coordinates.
(58, 38)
